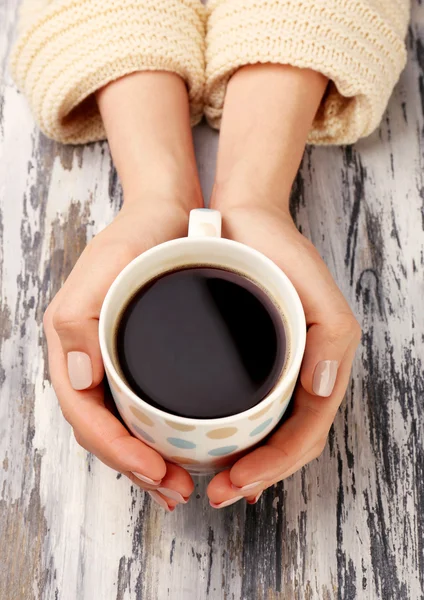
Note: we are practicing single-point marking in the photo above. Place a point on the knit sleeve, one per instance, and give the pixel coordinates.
(358, 44)
(68, 49)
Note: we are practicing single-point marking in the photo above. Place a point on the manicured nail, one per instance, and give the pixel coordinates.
(159, 500)
(172, 494)
(146, 479)
(246, 488)
(255, 499)
(325, 377)
(226, 503)
(80, 370)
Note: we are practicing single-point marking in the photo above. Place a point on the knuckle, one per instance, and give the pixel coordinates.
(65, 319)
(346, 326)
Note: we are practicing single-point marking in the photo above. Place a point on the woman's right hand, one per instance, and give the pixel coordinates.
(76, 368)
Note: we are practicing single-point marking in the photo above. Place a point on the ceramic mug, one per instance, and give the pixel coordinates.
(203, 446)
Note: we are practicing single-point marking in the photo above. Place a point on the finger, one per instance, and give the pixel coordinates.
(326, 345)
(220, 491)
(314, 453)
(166, 503)
(177, 484)
(95, 428)
(169, 504)
(75, 311)
(174, 489)
(309, 423)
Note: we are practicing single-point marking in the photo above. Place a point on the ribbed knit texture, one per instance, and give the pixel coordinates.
(68, 49)
(357, 44)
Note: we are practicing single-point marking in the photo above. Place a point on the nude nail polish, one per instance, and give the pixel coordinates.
(146, 479)
(80, 370)
(172, 494)
(325, 376)
(159, 500)
(226, 502)
(248, 487)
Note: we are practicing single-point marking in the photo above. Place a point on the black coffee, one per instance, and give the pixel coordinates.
(201, 342)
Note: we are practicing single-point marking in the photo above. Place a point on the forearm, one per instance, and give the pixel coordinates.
(268, 113)
(147, 119)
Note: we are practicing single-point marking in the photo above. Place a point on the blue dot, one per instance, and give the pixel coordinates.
(222, 451)
(179, 443)
(143, 434)
(259, 429)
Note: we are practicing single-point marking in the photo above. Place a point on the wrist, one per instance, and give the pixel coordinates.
(169, 195)
(166, 186)
(268, 113)
(147, 120)
(231, 201)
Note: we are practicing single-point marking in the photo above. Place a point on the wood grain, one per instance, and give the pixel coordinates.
(351, 524)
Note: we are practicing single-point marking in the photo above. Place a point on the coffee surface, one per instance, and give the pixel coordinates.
(201, 342)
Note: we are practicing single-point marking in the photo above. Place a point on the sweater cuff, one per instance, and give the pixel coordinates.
(359, 48)
(72, 48)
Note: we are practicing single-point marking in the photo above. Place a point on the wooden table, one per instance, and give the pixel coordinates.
(349, 525)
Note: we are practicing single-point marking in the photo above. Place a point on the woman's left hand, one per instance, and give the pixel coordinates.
(332, 338)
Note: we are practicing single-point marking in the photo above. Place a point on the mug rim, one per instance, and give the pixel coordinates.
(285, 380)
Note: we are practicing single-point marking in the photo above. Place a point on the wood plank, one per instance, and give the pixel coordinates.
(349, 525)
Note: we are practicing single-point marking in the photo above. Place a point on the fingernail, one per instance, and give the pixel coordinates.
(255, 499)
(226, 503)
(172, 494)
(246, 488)
(80, 370)
(159, 500)
(146, 479)
(325, 377)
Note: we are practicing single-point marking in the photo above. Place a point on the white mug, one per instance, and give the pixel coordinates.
(203, 446)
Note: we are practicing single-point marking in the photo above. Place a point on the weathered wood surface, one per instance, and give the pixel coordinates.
(350, 525)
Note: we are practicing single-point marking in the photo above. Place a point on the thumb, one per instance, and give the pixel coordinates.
(326, 345)
(75, 311)
(80, 344)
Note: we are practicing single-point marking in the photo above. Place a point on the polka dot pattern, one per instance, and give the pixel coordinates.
(260, 428)
(222, 433)
(142, 434)
(198, 441)
(179, 426)
(260, 414)
(141, 416)
(222, 451)
(180, 443)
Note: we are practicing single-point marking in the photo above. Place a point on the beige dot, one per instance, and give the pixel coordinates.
(183, 460)
(141, 416)
(180, 426)
(223, 432)
(260, 413)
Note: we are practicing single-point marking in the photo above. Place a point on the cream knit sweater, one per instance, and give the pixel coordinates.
(67, 49)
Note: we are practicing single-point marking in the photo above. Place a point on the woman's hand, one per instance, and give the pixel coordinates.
(76, 368)
(147, 119)
(268, 113)
(332, 338)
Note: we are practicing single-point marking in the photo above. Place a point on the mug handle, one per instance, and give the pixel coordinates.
(204, 222)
